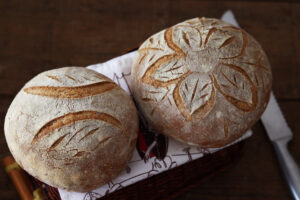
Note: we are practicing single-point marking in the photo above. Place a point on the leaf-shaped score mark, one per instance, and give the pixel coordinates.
(174, 69)
(236, 86)
(168, 36)
(158, 73)
(71, 118)
(194, 96)
(229, 41)
(70, 146)
(188, 37)
(67, 145)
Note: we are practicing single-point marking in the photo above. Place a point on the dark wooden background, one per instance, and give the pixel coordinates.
(41, 35)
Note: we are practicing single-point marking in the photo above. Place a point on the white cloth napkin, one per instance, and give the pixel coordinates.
(118, 69)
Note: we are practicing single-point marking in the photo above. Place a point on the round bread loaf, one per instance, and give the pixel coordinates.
(203, 82)
(72, 128)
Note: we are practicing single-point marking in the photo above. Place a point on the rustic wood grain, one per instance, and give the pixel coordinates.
(34, 36)
(39, 35)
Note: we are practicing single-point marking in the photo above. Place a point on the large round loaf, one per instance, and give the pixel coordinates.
(203, 82)
(72, 128)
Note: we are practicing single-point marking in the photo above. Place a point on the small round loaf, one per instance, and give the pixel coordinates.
(72, 128)
(203, 82)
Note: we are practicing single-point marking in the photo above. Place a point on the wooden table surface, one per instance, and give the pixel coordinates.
(41, 35)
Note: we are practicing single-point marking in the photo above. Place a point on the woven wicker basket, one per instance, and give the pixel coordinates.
(170, 183)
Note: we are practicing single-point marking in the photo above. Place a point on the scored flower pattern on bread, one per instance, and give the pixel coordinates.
(191, 66)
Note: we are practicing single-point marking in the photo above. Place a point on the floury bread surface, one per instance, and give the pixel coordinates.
(72, 128)
(203, 82)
